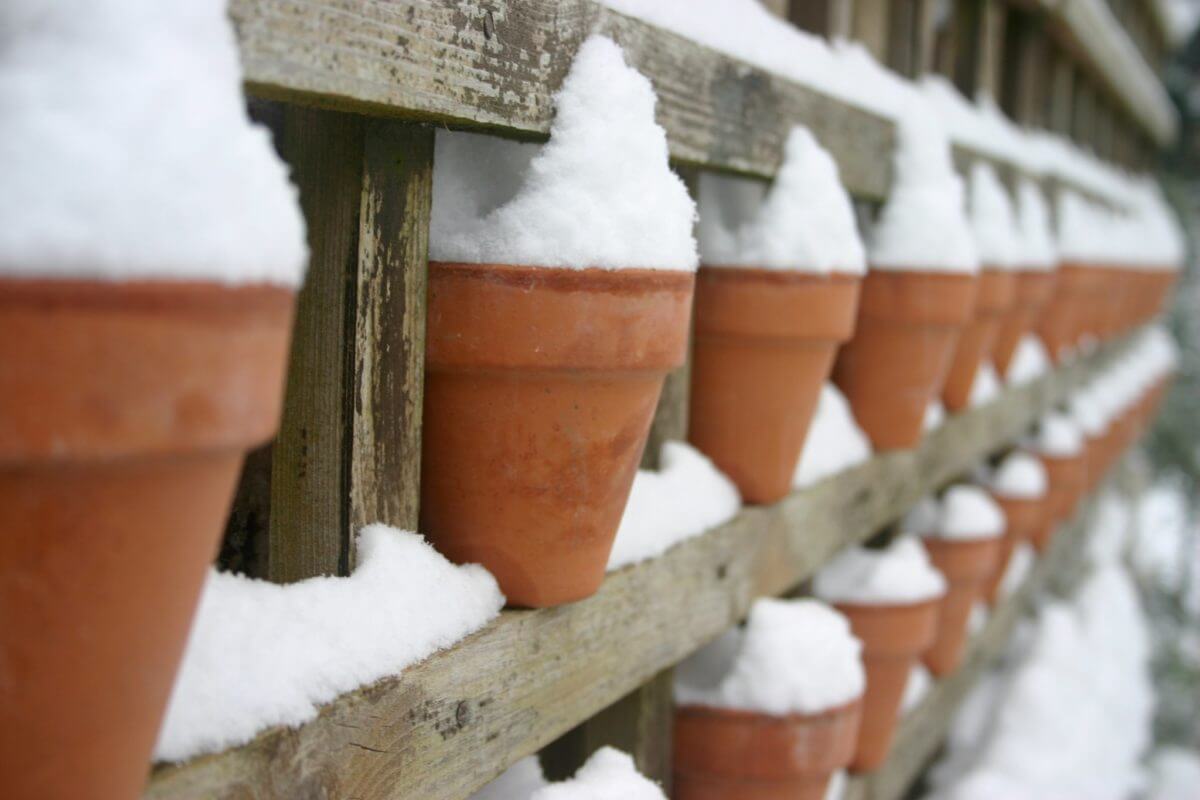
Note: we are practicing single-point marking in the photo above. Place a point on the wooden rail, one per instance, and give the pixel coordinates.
(451, 723)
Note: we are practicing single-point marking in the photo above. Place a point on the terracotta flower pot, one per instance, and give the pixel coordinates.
(1026, 520)
(893, 638)
(997, 292)
(966, 565)
(722, 754)
(1032, 293)
(125, 412)
(540, 387)
(896, 362)
(1077, 288)
(764, 345)
(1068, 480)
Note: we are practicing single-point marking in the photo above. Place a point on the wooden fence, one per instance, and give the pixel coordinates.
(353, 90)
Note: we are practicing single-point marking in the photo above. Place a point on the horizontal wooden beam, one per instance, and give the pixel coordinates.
(451, 723)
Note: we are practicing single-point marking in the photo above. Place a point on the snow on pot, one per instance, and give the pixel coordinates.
(776, 294)
(995, 233)
(1020, 487)
(891, 598)
(1081, 284)
(1035, 260)
(144, 326)
(559, 298)
(834, 442)
(918, 294)
(1087, 407)
(771, 711)
(964, 546)
(1059, 445)
(608, 774)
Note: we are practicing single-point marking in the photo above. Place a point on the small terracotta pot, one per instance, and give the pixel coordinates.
(896, 362)
(893, 638)
(1025, 521)
(1077, 288)
(722, 754)
(997, 292)
(1068, 481)
(125, 412)
(764, 345)
(1032, 293)
(966, 565)
(540, 387)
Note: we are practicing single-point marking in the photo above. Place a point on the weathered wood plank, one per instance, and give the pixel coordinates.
(497, 64)
(389, 325)
(450, 724)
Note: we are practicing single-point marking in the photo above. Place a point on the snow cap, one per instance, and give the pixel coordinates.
(923, 518)
(899, 573)
(1020, 476)
(992, 220)
(794, 657)
(600, 193)
(127, 153)
(803, 221)
(968, 513)
(1035, 235)
(834, 441)
(1059, 436)
(608, 775)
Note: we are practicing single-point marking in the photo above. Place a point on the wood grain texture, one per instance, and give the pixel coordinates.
(451, 723)
(496, 64)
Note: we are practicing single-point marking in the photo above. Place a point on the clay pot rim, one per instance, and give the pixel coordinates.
(890, 605)
(618, 280)
(164, 296)
(705, 710)
(768, 275)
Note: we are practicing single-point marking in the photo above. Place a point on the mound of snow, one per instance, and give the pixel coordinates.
(600, 193)
(968, 512)
(127, 153)
(1020, 476)
(1029, 361)
(985, 387)
(923, 518)
(263, 654)
(685, 498)
(916, 688)
(1035, 236)
(793, 657)
(1019, 565)
(834, 442)
(1058, 436)
(899, 573)
(1174, 774)
(518, 782)
(608, 775)
(992, 221)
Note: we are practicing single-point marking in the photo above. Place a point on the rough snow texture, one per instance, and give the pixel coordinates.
(992, 219)
(1145, 233)
(1058, 436)
(686, 497)
(793, 657)
(916, 688)
(1152, 357)
(803, 221)
(1035, 248)
(985, 387)
(923, 224)
(518, 782)
(1162, 551)
(1174, 774)
(968, 512)
(834, 442)
(1020, 476)
(262, 654)
(600, 193)
(608, 775)
(1029, 361)
(127, 153)
(900, 573)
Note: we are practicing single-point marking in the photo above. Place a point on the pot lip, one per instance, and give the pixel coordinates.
(633, 279)
(918, 605)
(972, 543)
(923, 275)
(765, 275)
(162, 296)
(741, 714)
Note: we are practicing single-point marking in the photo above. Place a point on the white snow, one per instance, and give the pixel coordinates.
(1162, 550)
(1029, 361)
(935, 415)
(1058, 436)
(608, 775)
(1019, 565)
(803, 221)
(518, 782)
(978, 618)
(900, 573)
(916, 688)
(985, 387)
(968, 512)
(923, 224)
(924, 517)
(262, 654)
(992, 218)
(834, 442)
(793, 657)
(1110, 531)
(685, 498)
(1174, 774)
(1020, 476)
(1087, 409)
(1035, 236)
(1145, 233)
(127, 152)
(600, 193)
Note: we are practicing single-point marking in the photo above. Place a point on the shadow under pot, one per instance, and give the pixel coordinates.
(897, 359)
(540, 386)
(1025, 521)
(966, 565)
(126, 409)
(893, 637)
(997, 292)
(723, 754)
(764, 345)
(1033, 292)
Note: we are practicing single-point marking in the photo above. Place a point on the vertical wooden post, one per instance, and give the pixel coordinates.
(967, 50)
(993, 18)
(871, 24)
(1060, 100)
(828, 18)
